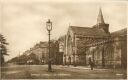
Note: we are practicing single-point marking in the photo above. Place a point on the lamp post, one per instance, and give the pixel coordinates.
(49, 28)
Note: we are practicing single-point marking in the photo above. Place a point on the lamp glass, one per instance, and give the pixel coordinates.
(49, 25)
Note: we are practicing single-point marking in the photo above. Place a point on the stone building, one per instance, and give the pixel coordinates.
(61, 42)
(41, 51)
(120, 48)
(84, 42)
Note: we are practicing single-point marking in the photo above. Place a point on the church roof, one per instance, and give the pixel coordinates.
(121, 32)
(94, 30)
(88, 31)
(61, 38)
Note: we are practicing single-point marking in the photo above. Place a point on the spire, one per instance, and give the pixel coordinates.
(100, 19)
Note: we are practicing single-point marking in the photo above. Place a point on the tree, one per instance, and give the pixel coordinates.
(3, 48)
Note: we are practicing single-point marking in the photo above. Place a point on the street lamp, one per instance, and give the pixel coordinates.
(49, 28)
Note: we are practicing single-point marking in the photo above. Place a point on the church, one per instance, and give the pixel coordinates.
(96, 42)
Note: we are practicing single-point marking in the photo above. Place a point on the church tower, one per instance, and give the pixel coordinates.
(100, 19)
(100, 22)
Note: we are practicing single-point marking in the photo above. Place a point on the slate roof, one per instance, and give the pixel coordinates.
(121, 32)
(41, 45)
(88, 31)
(62, 38)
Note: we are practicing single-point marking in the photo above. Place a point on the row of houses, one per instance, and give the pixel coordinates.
(40, 50)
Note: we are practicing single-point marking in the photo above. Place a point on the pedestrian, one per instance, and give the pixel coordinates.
(91, 63)
(69, 60)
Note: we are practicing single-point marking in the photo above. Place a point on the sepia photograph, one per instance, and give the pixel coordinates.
(63, 39)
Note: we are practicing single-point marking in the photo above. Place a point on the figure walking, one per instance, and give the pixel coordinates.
(91, 63)
(69, 59)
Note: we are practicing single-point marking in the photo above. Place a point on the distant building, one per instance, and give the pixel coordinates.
(61, 42)
(41, 52)
(38, 53)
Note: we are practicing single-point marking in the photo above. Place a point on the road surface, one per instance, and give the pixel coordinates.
(59, 72)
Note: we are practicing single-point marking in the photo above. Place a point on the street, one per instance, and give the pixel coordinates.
(59, 72)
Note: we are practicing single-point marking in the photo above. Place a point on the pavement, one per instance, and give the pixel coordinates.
(83, 67)
(116, 71)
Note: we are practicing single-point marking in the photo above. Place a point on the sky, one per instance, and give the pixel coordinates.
(23, 22)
